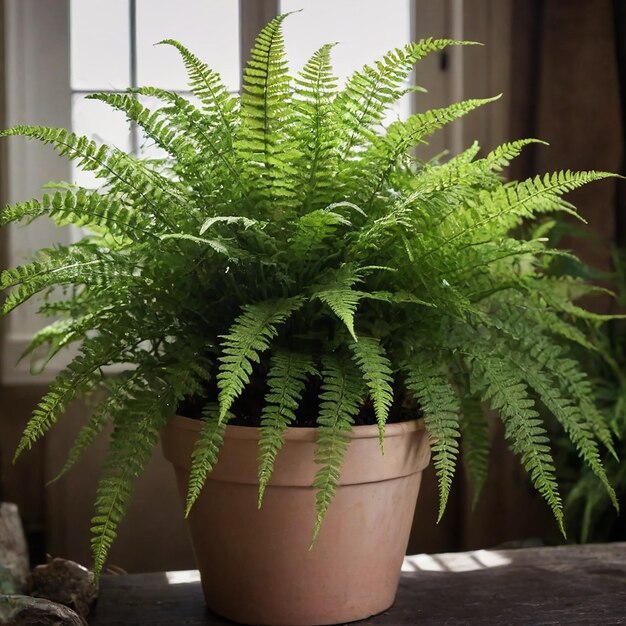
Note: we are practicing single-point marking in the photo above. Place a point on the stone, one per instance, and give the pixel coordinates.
(7, 582)
(27, 611)
(65, 582)
(13, 548)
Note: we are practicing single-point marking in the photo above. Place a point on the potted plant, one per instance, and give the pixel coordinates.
(295, 285)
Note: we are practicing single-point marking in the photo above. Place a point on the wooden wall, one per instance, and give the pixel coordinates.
(153, 536)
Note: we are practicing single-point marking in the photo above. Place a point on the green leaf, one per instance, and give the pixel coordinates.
(440, 407)
(376, 368)
(286, 379)
(250, 335)
(205, 452)
(341, 397)
(338, 295)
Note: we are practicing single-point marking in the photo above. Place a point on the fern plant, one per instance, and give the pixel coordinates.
(292, 263)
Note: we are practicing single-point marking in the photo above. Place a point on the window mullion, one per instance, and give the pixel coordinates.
(132, 34)
(253, 15)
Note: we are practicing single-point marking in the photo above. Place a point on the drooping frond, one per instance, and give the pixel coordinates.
(575, 383)
(130, 450)
(376, 368)
(286, 379)
(80, 376)
(500, 384)
(341, 397)
(510, 204)
(121, 172)
(84, 208)
(64, 265)
(120, 391)
(138, 418)
(475, 444)
(151, 122)
(246, 339)
(55, 337)
(338, 295)
(205, 452)
(577, 425)
(440, 407)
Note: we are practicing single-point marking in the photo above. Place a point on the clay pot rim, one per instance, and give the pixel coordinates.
(398, 429)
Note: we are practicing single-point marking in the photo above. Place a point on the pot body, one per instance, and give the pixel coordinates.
(256, 565)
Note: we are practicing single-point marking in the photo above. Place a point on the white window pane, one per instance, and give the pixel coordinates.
(364, 29)
(102, 124)
(210, 29)
(99, 44)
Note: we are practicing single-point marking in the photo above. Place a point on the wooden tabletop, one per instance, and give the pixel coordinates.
(570, 585)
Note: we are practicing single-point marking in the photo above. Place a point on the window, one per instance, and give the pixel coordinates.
(121, 53)
(59, 51)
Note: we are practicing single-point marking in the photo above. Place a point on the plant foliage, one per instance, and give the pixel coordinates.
(293, 242)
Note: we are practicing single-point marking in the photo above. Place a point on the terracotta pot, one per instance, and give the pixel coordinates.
(256, 566)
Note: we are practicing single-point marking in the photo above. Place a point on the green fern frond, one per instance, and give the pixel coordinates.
(501, 157)
(84, 208)
(314, 129)
(64, 266)
(131, 447)
(576, 384)
(313, 230)
(337, 293)
(80, 376)
(341, 397)
(246, 339)
(214, 244)
(264, 145)
(532, 197)
(152, 123)
(500, 384)
(440, 407)
(122, 173)
(246, 222)
(475, 444)
(57, 336)
(48, 410)
(204, 456)
(215, 157)
(562, 328)
(208, 87)
(138, 419)
(575, 423)
(559, 294)
(368, 93)
(120, 390)
(377, 371)
(402, 136)
(286, 379)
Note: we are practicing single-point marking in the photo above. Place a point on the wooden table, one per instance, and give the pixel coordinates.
(568, 585)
